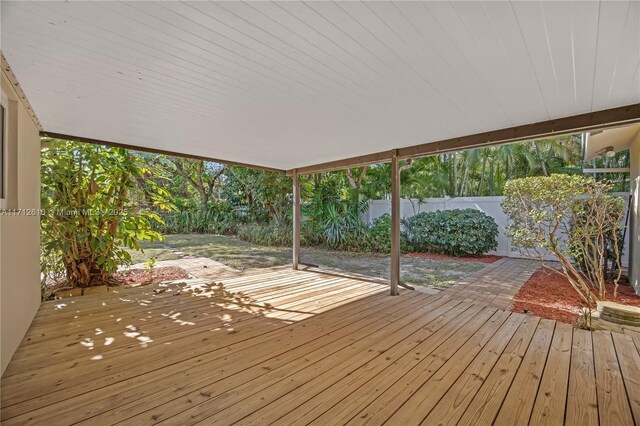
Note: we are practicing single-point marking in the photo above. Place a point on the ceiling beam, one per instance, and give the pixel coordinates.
(155, 151)
(578, 123)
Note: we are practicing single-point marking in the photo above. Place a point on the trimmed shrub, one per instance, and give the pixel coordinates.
(454, 232)
(576, 219)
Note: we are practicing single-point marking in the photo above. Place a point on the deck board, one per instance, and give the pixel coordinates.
(582, 400)
(613, 405)
(550, 404)
(302, 347)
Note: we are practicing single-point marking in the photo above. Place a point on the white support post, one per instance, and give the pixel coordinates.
(395, 224)
(296, 219)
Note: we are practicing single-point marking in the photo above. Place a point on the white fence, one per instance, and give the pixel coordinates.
(488, 205)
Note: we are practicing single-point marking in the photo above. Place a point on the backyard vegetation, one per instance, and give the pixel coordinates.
(123, 202)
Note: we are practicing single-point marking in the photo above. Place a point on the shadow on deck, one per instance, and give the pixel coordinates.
(300, 347)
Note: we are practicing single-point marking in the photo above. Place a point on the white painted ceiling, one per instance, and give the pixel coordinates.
(292, 84)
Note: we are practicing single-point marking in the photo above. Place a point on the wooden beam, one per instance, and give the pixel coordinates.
(154, 151)
(607, 170)
(395, 223)
(363, 160)
(574, 124)
(296, 220)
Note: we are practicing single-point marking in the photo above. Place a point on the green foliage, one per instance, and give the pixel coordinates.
(332, 216)
(212, 198)
(379, 233)
(217, 218)
(454, 232)
(536, 203)
(573, 217)
(95, 207)
(484, 171)
(259, 196)
(202, 178)
(151, 263)
(266, 235)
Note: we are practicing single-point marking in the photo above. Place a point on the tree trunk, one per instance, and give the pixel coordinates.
(490, 180)
(484, 167)
(465, 176)
(543, 165)
(204, 199)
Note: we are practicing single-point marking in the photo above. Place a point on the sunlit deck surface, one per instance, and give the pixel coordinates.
(285, 347)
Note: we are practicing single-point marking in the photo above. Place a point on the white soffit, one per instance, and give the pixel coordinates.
(618, 138)
(292, 84)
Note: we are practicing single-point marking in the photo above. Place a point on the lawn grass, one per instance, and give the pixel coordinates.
(243, 255)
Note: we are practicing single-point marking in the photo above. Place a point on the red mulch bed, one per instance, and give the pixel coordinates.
(137, 277)
(483, 258)
(548, 294)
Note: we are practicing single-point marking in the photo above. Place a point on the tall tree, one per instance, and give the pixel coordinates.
(202, 176)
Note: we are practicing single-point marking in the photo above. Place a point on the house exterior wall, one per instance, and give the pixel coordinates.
(19, 234)
(634, 239)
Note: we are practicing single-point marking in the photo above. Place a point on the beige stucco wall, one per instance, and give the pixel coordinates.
(634, 235)
(20, 235)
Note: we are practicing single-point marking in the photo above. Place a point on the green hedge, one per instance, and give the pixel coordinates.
(374, 238)
(454, 232)
(196, 220)
(266, 235)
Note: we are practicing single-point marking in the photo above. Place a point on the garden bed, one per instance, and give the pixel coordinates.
(483, 258)
(548, 294)
(138, 277)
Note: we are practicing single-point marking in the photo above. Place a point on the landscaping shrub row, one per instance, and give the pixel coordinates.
(197, 220)
(453, 232)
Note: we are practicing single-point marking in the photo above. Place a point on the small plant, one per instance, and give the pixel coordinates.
(584, 319)
(149, 265)
(455, 232)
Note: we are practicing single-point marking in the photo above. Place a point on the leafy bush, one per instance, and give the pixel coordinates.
(573, 217)
(379, 233)
(266, 235)
(454, 232)
(95, 208)
(378, 237)
(374, 238)
(216, 219)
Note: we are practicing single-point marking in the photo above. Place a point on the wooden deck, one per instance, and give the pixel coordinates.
(285, 347)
